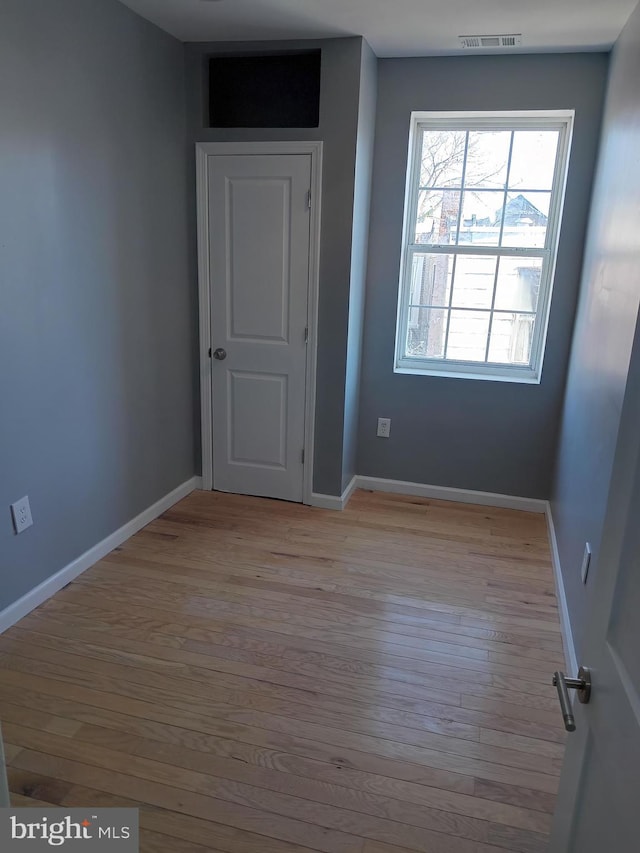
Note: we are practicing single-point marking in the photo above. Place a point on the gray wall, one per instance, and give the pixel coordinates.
(95, 308)
(490, 436)
(359, 248)
(339, 99)
(604, 332)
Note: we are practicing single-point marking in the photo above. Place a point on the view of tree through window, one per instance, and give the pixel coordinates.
(478, 247)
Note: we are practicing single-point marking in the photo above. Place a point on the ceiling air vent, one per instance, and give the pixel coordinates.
(510, 40)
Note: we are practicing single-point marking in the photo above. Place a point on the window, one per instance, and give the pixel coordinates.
(482, 214)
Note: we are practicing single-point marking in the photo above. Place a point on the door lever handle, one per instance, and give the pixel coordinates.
(563, 684)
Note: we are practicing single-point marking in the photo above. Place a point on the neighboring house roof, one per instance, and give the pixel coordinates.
(518, 210)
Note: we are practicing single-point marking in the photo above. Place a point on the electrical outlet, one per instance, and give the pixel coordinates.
(586, 559)
(21, 512)
(384, 427)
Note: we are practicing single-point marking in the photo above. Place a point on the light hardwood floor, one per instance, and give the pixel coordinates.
(263, 677)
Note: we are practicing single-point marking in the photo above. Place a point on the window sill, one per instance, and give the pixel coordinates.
(525, 378)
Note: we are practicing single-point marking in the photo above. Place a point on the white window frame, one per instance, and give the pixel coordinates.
(561, 120)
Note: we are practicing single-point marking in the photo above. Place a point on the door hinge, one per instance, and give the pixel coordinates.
(306, 335)
(308, 199)
(302, 455)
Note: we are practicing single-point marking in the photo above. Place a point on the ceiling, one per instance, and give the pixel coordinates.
(396, 27)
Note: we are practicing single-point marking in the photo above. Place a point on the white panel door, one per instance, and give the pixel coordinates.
(599, 799)
(259, 240)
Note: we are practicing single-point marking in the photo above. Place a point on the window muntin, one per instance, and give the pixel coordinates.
(482, 211)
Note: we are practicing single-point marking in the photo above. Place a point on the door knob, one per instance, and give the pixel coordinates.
(220, 354)
(562, 684)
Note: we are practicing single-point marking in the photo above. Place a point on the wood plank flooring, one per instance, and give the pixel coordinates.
(263, 677)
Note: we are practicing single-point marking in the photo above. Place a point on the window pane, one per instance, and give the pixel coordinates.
(437, 216)
(479, 239)
(518, 284)
(468, 332)
(511, 338)
(481, 212)
(426, 331)
(525, 220)
(474, 280)
(533, 159)
(430, 279)
(442, 157)
(487, 158)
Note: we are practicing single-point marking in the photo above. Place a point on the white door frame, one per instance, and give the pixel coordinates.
(204, 150)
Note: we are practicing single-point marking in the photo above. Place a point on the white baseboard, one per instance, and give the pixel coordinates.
(571, 659)
(351, 487)
(444, 493)
(333, 501)
(39, 594)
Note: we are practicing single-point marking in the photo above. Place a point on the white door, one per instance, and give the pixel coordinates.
(259, 239)
(599, 800)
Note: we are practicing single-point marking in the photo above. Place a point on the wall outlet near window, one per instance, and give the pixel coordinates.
(384, 427)
(21, 513)
(586, 559)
